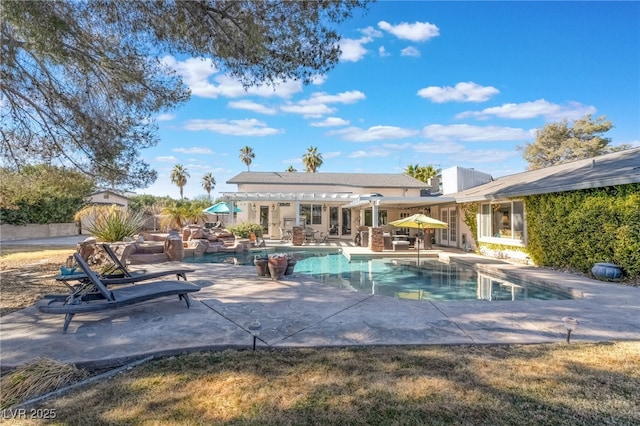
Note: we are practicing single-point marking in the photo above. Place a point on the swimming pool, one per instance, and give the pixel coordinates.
(433, 280)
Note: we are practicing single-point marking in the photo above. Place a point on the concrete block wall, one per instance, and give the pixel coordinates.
(24, 232)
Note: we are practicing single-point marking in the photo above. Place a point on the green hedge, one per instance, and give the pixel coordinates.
(576, 229)
(55, 209)
(42, 194)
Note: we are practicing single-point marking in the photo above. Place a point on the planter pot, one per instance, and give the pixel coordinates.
(261, 265)
(277, 265)
(291, 264)
(606, 271)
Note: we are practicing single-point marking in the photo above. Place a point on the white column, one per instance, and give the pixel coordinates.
(374, 219)
(297, 212)
(232, 207)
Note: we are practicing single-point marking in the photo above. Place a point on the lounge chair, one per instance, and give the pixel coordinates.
(119, 274)
(99, 298)
(179, 272)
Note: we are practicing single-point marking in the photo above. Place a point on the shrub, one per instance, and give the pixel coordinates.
(579, 228)
(36, 378)
(112, 223)
(244, 229)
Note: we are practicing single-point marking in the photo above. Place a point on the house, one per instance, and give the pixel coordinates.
(338, 203)
(109, 197)
(334, 204)
(501, 216)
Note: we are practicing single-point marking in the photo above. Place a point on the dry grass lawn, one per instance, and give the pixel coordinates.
(26, 275)
(555, 384)
(558, 384)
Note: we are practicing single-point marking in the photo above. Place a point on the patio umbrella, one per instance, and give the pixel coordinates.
(220, 208)
(419, 221)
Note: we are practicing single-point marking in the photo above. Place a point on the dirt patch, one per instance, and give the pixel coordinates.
(26, 275)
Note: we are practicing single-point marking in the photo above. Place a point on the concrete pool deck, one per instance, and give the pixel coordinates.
(298, 311)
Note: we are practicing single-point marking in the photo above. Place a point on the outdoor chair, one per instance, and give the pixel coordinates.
(141, 275)
(96, 297)
(309, 235)
(285, 234)
(119, 274)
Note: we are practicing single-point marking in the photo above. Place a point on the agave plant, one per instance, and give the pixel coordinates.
(110, 223)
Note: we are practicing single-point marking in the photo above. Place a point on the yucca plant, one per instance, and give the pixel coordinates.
(37, 378)
(110, 223)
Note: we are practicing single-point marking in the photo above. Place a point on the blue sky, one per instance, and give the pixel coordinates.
(429, 83)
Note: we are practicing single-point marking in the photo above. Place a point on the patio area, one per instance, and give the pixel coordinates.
(237, 309)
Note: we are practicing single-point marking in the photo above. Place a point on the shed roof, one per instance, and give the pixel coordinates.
(618, 168)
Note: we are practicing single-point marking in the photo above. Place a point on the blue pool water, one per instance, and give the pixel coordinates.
(434, 280)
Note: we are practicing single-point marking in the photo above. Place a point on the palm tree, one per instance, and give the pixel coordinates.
(312, 159)
(179, 177)
(422, 173)
(412, 170)
(247, 155)
(291, 169)
(208, 183)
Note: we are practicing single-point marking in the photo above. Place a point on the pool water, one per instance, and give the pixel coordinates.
(433, 280)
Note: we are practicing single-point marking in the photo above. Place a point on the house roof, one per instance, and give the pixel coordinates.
(114, 192)
(617, 168)
(360, 180)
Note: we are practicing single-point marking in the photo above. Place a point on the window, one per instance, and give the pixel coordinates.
(312, 213)
(502, 220)
(368, 217)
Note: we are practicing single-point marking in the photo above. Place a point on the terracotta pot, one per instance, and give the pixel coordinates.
(277, 265)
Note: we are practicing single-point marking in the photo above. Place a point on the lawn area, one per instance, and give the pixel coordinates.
(559, 384)
(26, 274)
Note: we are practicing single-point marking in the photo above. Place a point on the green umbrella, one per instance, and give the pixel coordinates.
(419, 221)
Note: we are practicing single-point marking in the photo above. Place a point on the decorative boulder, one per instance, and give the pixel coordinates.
(173, 247)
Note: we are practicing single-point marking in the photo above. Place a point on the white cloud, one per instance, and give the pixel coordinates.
(374, 133)
(371, 153)
(316, 105)
(462, 92)
(383, 52)
(371, 32)
(249, 127)
(252, 106)
(410, 51)
(194, 150)
(352, 50)
(196, 73)
(166, 159)
(318, 80)
(308, 110)
(465, 132)
(348, 97)
(165, 117)
(538, 108)
(331, 122)
(455, 151)
(397, 146)
(418, 31)
(331, 154)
